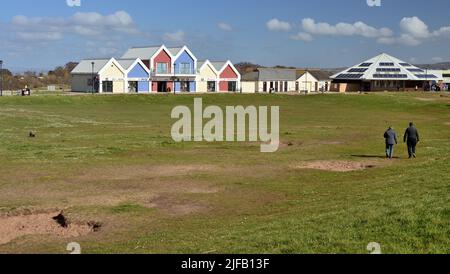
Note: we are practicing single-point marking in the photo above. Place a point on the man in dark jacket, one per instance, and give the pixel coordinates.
(391, 139)
(411, 138)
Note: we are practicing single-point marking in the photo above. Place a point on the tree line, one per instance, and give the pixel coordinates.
(60, 76)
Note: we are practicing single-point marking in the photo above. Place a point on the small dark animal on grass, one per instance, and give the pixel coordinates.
(32, 135)
(61, 220)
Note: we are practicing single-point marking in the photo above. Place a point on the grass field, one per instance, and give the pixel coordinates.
(110, 159)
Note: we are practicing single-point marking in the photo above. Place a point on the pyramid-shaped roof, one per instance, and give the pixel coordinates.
(385, 67)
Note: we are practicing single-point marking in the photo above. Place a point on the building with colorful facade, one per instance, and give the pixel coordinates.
(155, 69)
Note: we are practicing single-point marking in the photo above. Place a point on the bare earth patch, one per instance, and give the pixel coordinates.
(13, 227)
(175, 207)
(337, 166)
(426, 99)
(143, 172)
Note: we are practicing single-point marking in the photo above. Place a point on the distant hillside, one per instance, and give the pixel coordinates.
(443, 65)
(246, 67)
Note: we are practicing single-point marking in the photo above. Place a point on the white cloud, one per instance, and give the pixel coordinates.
(403, 39)
(344, 29)
(302, 36)
(413, 31)
(277, 25)
(176, 37)
(38, 36)
(414, 27)
(225, 27)
(83, 24)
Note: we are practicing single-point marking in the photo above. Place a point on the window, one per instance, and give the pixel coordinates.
(285, 86)
(107, 86)
(162, 68)
(211, 86)
(185, 68)
(446, 75)
(276, 86)
(184, 86)
(232, 86)
(265, 86)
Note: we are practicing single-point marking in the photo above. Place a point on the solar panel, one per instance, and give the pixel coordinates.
(357, 70)
(388, 69)
(390, 76)
(415, 70)
(365, 64)
(349, 76)
(387, 64)
(426, 76)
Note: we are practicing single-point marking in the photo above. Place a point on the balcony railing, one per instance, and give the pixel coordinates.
(171, 72)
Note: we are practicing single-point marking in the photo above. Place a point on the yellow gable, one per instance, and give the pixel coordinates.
(112, 72)
(207, 73)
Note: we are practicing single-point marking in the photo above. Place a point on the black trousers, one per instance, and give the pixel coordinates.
(412, 143)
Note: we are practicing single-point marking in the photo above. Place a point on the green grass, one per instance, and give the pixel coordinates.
(111, 159)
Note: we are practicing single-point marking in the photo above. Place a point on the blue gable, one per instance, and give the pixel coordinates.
(187, 59)
(138, 72)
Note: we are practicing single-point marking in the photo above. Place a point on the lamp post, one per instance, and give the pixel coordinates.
(92, 77)
(175, 78)
(1, 77)
(306, 82)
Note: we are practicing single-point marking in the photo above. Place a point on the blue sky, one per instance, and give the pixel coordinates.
(320, 33)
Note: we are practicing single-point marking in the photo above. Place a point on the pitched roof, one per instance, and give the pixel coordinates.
(385, 67)
(271, 74)
(321, 75)
(144, 53)
(200, 63)
(85, 66)
(218, 65)
(251, 76)
(126, 63)
(175, 50)
(266, 74)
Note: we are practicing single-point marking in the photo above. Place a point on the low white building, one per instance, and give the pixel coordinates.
(285, 80)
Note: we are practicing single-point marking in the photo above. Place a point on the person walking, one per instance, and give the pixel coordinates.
(411, 138)
(391, 139)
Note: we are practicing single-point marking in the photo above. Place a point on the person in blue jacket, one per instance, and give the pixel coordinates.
(391, 140)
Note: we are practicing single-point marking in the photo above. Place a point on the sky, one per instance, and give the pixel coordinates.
(43, 34)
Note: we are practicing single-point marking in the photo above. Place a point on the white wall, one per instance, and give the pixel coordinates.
(248, 87)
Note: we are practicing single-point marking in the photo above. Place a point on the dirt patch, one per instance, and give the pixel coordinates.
(143, 172)
(289, 144)
(175, 207)
(53, 223)
(337, 166)
(331, 143)
(426, 99)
